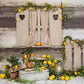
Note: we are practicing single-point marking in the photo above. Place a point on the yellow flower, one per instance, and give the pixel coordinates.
(66, 78)
(48, 56)
(75, 73)
(38, 44)
(19, 10)
(61, 18)
(25, 56)
(16, 66)
(2, 76)
(53, 64)
(62, 6)
(32, 54)
(54, 5)
(44, 62)
(60, 12)
(71, 42)
(45, 9)
(49, 62)
(43, 67)
(5, 66)
(44, 56)
(55, 61)
(64, 43)
(62, 78)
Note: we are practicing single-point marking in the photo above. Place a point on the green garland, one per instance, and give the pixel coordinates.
(79, 43)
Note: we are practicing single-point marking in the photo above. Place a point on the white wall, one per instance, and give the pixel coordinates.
(73, 3)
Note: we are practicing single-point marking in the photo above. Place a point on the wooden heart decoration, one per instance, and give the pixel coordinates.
(55, 17)
(22, 17)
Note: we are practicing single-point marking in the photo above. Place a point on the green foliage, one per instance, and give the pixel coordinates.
(24, 81)
(13, 61)
(79, 42)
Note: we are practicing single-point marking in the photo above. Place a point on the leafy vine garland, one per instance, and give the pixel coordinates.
(79, 43)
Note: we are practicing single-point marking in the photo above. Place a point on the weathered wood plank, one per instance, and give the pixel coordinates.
(68, 52)
(55, 28)
(77, 56)
(22, 28)
(83, 54)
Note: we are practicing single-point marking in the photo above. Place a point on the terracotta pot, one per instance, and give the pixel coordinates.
(13, 75)
(29, 64)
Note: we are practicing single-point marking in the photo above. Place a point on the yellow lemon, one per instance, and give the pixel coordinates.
(66, 78)
(51, 78)
(44, 62)
(43, 67)
(49, 62)
(53, 64)
(62, 6)
(32, 54)
(55, 61)
(54, 5)
(2, 76)
(45, 9)
(5, 66)
(44, 56)
(75, 73)
(64, 43)
(62, 77)
(38, 44)
(16, 66)
(16, 19)
(71, 42)
(48, 56)
(61, 18)
(78, 72)
(31, 8)
(25, 56)
(19, 10)
(60, 12)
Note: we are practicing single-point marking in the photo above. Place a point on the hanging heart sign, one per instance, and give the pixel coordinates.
(55, 17)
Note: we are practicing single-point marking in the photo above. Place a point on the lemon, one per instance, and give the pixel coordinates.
(78, 72)
(62, 77)
(44, 62)
(2, 76)
(62, 6)
(49, 62)
(66, 78)
(71, 42)
(53, 76)
(25, 56)
(5, 66)
(16, 66)
(60, 12)
(55, 61)
(75, 73)
(53, 64)
(43, 67)
(54, 5)
(64, 43)
(38, 44)
(44, 56)
(61, 18)
(31, 8)
(32, 54)
(48, 56)
(19, 10)
(45, 9)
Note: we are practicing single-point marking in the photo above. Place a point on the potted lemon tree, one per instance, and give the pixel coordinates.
(28, 53)
(14, 64)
